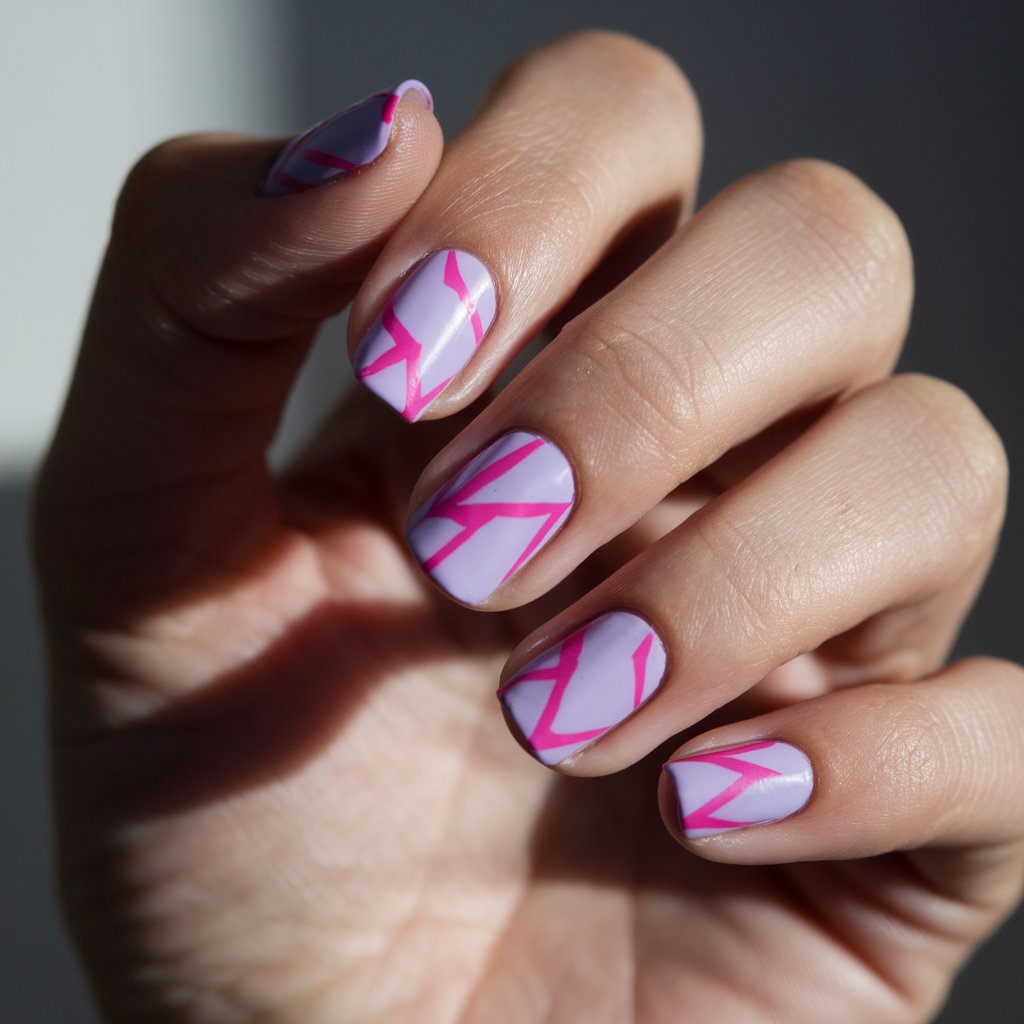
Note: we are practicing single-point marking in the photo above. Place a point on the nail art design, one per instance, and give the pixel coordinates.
(749, 785)
(331, 149)
(575, 692)
(427, 332)
(494, 516)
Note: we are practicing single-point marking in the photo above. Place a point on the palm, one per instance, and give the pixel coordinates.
(340, 819)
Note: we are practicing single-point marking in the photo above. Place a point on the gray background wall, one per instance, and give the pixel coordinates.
(920, 99)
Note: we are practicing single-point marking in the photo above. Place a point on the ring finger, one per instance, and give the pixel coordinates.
(885, 560)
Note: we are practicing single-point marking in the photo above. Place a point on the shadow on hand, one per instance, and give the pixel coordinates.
(608, 832)
(263, 720)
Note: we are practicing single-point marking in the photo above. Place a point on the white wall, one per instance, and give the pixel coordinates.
(85, 87)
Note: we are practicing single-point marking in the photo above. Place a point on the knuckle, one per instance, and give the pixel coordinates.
(623, 56)
(854, 234)
(914, 743)
(953, 436)
(652, 395)
(152, 182)
(628, 66)
(534, 198)
(996, 669)
(185, 252)
(755, 591)
(544, 170)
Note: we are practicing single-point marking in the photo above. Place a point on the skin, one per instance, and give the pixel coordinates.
(284, 788)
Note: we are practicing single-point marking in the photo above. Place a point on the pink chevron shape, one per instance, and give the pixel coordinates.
(544, 737)
(473, 517)
(408, 350)
(749, 774)
(454, 279)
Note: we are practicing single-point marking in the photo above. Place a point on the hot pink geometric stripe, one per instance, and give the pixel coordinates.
(409, 350)
(289, 165)
(453, 278)
(640, 656)
(544, 737)
(323, 159)
(748, 775)
(473, 517)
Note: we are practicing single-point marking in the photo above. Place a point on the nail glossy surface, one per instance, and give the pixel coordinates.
(752, 784)
(573, 693)
(495, 515)
(337, 146)
(427, 332)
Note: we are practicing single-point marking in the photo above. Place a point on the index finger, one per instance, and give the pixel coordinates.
(579, 145)
(208, 298)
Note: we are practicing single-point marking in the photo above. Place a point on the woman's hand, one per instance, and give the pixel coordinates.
(285, 791)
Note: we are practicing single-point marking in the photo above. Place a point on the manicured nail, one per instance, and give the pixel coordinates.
(490, 519)
(749, 785)
(347, 140)
(427, 332)
(576, 691)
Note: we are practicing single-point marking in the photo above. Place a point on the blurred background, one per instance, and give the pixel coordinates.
(922, 100)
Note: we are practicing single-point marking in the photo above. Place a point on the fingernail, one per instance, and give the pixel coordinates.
(749, 785)
(490, 519)
(594, 679)
(331, 149)
(427, 332)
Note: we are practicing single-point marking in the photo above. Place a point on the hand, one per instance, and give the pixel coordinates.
(285, 792)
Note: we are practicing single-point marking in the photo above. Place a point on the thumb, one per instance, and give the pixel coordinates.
(214, 282)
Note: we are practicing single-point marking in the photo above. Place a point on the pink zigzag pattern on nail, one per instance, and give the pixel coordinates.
(298, 151)
(544, 736)
(409, 351)
(474, 516)
(749, 774)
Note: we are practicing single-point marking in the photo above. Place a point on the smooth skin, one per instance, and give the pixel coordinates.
(285, 791)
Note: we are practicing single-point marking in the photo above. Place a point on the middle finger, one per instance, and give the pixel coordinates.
(790, 288)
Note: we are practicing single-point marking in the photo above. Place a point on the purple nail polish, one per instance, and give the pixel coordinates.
(347, 140)
(427, 332)
(749, 785)
(494, 516)
(575, 692)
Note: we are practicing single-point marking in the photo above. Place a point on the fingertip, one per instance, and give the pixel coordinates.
(352, 139)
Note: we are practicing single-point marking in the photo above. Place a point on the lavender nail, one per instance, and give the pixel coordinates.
(494, 516)
(333, 148)
(749, 785)
(427, 332)
(575, 692)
